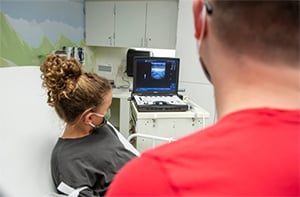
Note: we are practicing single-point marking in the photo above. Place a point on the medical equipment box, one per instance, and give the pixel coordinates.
(149, 129)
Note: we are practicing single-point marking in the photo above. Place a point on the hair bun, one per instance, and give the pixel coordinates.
(60, 76)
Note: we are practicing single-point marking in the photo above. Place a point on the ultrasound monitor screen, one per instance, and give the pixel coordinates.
(156, 75)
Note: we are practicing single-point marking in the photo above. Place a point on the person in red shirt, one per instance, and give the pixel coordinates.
(250, 52)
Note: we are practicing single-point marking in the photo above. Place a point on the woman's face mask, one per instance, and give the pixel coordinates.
(105, 117)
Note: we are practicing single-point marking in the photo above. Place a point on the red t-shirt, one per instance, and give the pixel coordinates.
(252, 152)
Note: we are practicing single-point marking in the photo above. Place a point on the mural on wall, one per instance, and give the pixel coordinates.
(31, 29)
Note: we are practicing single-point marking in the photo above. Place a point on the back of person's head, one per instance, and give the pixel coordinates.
(71, 91)
(266, 29)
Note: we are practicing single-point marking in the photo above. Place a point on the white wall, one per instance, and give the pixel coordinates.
(116, 57)
(192, 77)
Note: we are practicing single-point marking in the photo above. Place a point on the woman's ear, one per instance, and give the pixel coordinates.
(198, 9)
(87, 118)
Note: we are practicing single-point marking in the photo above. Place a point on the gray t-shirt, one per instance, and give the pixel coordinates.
(90, 161)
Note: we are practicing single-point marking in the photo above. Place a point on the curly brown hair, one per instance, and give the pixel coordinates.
(71, 91)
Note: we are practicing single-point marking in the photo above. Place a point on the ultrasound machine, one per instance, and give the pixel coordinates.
(155, 85)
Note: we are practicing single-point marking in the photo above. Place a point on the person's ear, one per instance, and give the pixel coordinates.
(198, 9)
(87, 118)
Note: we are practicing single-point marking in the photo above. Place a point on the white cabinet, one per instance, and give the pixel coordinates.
(161, 24)
(99, 23)
(132, 23)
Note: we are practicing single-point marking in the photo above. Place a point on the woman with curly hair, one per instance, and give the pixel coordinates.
(89, 152)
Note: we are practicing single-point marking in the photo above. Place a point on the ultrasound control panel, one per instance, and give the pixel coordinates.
(158, 100)
(160, 103)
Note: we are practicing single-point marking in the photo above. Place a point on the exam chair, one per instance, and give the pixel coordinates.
(29, 129)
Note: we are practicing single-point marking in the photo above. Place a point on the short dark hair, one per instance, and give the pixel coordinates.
(263, 28)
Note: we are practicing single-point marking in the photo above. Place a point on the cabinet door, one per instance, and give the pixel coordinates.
(161, 24)
(130, 23)
(99, 23)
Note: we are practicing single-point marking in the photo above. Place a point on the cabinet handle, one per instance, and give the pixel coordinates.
(149, 42)
(110, 40)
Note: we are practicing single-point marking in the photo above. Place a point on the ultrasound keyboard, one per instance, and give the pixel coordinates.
(159, 103)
